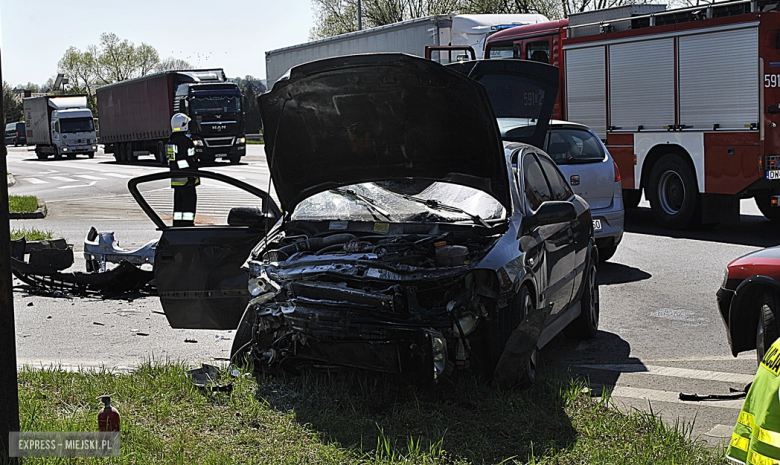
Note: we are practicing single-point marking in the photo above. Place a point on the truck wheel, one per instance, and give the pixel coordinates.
(162, 155)
(131, 157)
(16, 143)
(40, 154)
(631, 198)
(673, 193)
(122, 152)
(235, 159)
(91, 154)
(763, 204)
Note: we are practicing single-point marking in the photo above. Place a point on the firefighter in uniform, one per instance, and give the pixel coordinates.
(756, 437)
(181, 156)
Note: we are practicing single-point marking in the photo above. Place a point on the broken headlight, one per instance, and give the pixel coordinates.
(438, 353)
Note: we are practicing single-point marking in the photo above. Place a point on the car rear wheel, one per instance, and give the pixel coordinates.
(767, 331)
(586, 325)
(239, 352)
(673, 193)
(763, 202)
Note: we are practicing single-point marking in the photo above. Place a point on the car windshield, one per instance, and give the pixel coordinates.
(218, 104)
(71, 125)
(401, 201)
(572, 146)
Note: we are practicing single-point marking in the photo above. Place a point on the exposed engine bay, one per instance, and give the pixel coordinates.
(393, 303)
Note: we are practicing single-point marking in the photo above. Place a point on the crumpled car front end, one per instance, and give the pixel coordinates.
(405, 304)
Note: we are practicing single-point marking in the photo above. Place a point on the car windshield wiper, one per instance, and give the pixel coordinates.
(436, 205)
(369, 203)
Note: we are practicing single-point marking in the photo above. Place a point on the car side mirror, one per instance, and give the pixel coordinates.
(550, 212)
(252, 217)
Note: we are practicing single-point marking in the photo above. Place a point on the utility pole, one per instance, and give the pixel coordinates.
(360, 16)
(9, 389)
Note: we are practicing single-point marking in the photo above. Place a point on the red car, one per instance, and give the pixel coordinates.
(749, 301)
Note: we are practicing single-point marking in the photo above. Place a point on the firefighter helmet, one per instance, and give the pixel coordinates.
(180, 122)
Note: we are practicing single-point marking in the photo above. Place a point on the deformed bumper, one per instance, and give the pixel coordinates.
(320, 337)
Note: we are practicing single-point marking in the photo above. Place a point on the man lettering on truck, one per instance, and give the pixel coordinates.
(181, 156)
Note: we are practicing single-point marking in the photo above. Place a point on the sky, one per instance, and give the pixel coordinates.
(208, 34)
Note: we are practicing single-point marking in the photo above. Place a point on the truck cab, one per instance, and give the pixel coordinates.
(73, 132)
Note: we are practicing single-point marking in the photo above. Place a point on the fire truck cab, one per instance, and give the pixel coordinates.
(687, 100)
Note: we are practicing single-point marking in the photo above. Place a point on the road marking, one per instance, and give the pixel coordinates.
(78, 185)
(116, 175)
(720, 431)
(674, 372)
(62, 178)
(654, 395)
(35, 181)
(86, 176)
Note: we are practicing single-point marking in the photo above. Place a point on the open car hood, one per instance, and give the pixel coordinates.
(522, 93)
(373, 117)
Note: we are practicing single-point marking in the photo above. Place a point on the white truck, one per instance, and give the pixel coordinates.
(410, 37)
(60, 125)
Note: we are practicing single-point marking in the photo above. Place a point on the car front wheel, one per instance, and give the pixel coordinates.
(766, 332)
(242, 342)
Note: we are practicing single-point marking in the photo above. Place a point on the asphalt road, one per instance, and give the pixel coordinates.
(660, 331)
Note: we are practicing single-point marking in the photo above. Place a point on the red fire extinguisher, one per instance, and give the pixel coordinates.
(108, 417)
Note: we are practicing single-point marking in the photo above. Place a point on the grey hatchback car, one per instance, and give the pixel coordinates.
(593, 175)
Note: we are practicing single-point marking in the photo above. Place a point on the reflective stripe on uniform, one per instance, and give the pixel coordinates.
(177, 216)
(755, 458)
(738, 442)
(767, 436)
(182, 164)
(172, 150)
(188, 216)
(191, 151)
(746, 419)
(178, 182)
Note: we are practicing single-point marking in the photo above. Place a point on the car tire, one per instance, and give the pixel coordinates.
(586, 325)
(494, 334)
(234, 160)
(91, 154)
(239, 351)
(605, 253)
(674, 193)
(763, 204)
(766, 331)
(631, 198)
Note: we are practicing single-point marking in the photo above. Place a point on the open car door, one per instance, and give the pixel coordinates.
(197, 269)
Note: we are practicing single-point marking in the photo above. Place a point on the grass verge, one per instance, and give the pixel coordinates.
(255, 142)
(31, 234)
(22, 203)
(349, 418)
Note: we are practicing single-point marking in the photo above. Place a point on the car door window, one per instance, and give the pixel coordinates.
(559, 188)
(534, 184)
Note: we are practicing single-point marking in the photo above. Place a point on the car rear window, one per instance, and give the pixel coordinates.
(573, 146)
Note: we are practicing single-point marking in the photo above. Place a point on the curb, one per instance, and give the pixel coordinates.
(36, 215)
(11, 180)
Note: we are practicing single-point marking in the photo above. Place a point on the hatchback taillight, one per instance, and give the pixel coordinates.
(617, 171)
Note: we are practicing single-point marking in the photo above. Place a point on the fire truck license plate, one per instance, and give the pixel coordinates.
(773, 174)
(597, 225)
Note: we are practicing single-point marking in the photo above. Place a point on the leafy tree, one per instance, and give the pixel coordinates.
(13, 108)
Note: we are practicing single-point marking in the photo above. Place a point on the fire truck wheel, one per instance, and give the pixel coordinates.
(631, 198)
(767, 332)
(673, 193)
(763, 204)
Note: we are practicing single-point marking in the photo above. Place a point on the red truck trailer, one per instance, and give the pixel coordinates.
(687, 100)
(135, 115)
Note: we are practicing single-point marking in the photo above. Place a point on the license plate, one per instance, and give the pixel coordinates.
(597, 225)
(220, 155)
(773, 174)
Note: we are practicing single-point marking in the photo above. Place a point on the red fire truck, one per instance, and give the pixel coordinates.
(687, 100)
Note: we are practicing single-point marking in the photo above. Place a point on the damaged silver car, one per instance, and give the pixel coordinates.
(412, 241)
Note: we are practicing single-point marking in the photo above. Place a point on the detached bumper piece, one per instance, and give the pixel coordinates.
(41, 264)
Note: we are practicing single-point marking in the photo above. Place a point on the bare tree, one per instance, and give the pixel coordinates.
(170, 64)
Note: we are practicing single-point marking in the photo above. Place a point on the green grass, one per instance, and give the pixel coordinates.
(255, 142)
(31, 234)
(350, 418)
(22, 203)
